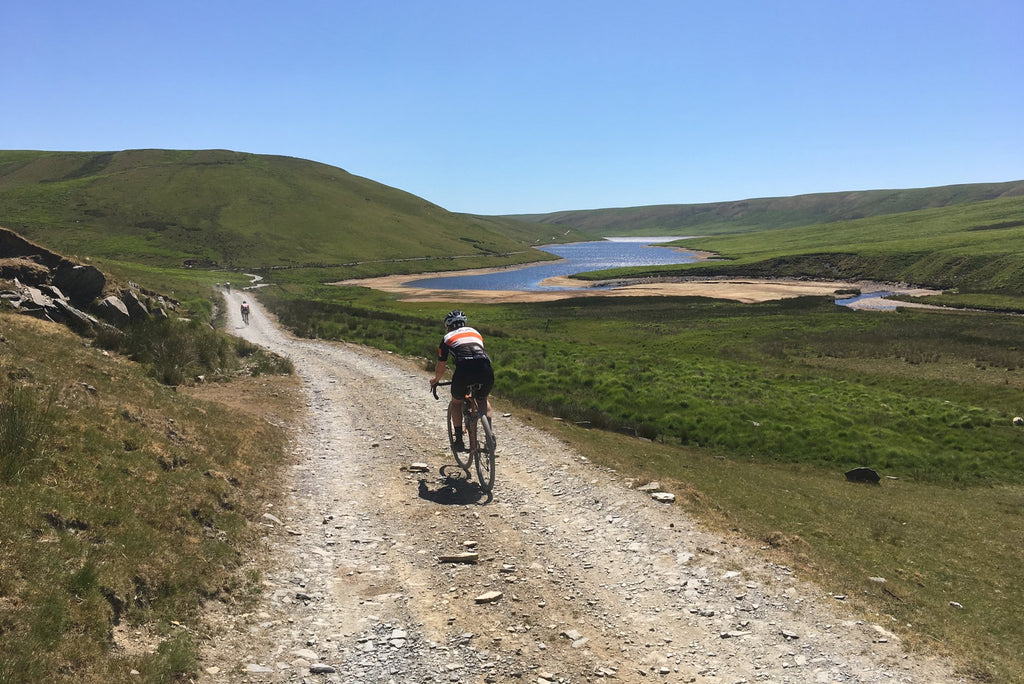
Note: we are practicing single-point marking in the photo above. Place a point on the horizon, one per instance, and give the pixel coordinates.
(536, 107)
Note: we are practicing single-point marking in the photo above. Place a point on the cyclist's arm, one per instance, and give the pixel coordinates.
(443, 352)
(439, 371)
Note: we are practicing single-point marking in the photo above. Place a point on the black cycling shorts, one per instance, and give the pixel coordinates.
(476, 372)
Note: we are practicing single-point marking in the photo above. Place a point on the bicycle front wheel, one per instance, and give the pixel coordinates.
(485, 455)
(463, 458)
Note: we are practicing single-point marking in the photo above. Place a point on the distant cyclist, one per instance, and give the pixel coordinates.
(245, 312)
(472, 366)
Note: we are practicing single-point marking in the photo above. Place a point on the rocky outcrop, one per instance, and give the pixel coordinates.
(50, 304)
(14, 246)
(41, 283)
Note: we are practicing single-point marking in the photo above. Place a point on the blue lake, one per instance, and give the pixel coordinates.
(576, 258)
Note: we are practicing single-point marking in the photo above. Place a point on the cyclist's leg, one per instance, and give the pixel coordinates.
(455, 411)
(456, 407)
(486, 380)
(459, 385)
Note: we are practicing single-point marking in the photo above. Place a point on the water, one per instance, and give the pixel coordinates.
(587, 256)
(870, 295)
(576, 258)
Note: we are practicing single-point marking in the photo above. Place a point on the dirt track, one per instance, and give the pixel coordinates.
(598, 581)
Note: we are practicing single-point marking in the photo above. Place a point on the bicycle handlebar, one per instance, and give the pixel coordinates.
(433, 389)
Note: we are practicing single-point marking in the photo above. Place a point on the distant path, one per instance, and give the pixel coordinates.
(594, 580)
(349, 264)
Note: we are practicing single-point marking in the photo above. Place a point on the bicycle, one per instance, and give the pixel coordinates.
(474, 411)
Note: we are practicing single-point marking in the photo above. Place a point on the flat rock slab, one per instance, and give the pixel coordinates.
(465, 557)
(489, 597)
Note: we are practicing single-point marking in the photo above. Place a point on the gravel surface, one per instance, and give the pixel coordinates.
(580, 578)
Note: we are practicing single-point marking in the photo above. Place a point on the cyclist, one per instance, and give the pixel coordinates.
(472, 366)
(245, 312)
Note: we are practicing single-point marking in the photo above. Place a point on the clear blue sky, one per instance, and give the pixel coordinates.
(495, 107)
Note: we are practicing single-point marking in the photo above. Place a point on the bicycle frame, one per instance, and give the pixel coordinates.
(470, 415)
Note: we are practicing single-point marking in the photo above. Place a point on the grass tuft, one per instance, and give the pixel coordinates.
(25, 420)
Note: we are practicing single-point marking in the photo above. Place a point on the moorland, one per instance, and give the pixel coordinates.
(759, 408)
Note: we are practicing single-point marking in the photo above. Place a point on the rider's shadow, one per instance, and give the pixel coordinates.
(454, 491)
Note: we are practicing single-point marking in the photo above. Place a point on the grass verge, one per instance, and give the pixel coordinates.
(137, 504)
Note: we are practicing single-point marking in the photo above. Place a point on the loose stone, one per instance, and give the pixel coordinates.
(466, 557)
(489, 597)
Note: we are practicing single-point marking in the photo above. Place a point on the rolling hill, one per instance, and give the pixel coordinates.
(767, 213)
(238, 211)
(163, 209)
(973, 246)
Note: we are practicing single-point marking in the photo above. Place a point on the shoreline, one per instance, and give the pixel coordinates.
(744, 290)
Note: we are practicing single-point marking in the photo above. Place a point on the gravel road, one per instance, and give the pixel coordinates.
(597, 581)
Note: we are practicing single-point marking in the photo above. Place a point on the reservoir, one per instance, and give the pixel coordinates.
(576, 258)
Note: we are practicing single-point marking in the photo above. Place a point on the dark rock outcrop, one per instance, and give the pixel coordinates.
(82, 284)
(48, 286)
(13, 246)
(865, 475)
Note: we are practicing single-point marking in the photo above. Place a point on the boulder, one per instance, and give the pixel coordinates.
(113, 311)
(137, 310)
(866, 475)
(81, 284)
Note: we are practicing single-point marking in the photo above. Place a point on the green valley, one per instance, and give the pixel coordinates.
(754, 410)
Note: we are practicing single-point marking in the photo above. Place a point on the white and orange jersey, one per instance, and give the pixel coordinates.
(465, 344)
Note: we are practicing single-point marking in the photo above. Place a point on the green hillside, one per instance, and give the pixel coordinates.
(772, 212)
(237, 211)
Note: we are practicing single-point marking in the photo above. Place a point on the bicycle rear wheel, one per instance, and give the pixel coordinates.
(485, 455)
(463, 458)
